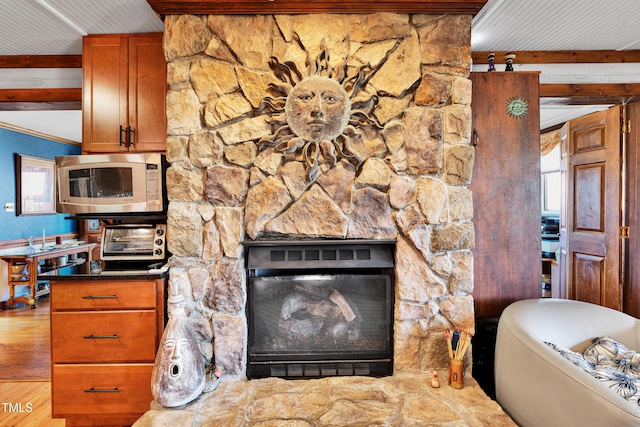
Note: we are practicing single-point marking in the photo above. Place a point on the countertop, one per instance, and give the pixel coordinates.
(81, 272)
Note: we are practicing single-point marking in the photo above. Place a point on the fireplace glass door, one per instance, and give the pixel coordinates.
(318, 322)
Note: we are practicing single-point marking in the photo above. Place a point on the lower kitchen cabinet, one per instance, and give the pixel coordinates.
(96, 337)
(102, 389)
(104, 338)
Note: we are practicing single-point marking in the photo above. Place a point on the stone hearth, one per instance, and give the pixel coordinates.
(407, 181)
(403, 400)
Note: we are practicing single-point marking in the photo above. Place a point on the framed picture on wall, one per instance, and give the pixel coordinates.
(35, 185)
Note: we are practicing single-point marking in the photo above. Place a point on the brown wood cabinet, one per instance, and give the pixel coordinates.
(506, 190)
(123, 93)
(104, 338)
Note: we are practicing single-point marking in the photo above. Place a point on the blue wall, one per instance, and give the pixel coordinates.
(20, 227)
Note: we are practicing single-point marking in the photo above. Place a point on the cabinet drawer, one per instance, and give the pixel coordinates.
(106, 336)
(101, 389)
(103, 295)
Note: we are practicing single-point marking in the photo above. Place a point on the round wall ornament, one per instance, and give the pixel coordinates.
(317, 117)
(517, 107)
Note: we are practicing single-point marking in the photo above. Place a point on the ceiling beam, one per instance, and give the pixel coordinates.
(228, 7)
(71, 98)
(40, 99)
(570, 90)
(584, 101)
(41, 106)
(589, 90)
(40, 61)
(562, 56)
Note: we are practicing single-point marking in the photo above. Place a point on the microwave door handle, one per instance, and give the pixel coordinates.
(130, 136)
(121, 132)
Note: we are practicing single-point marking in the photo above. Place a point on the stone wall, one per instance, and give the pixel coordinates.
(408, 182)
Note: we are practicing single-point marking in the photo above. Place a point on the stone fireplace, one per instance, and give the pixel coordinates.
(320, 308)
(400, 173)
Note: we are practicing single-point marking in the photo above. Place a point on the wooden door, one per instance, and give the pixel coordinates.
(632, 282)
(564, 182)
(147, 129)
(506, 190)
(594, 206)
(104, 93)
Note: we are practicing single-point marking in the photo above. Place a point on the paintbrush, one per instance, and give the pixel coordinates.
(455, 339)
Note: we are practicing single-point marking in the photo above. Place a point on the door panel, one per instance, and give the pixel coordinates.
(589, 199)
(594, 206)
(104, 93)
(587, 270)
(632, 284)
(586, 140)
(147, 92)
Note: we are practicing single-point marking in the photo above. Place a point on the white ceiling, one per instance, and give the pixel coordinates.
(56, 27)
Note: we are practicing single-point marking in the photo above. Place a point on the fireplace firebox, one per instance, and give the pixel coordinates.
(320, 308)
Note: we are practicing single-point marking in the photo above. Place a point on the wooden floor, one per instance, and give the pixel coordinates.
(24, 344)
(27, 404)
(25, 372)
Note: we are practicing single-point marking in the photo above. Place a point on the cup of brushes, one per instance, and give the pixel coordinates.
(457, 344)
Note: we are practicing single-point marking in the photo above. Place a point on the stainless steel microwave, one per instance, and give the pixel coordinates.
(111, 183)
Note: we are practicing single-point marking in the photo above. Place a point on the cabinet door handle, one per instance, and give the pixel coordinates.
(100, 337)
(121, 132)
(100, 390)
(130, 133)
(100, 297)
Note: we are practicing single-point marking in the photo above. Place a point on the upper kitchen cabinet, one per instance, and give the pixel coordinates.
(123, 94)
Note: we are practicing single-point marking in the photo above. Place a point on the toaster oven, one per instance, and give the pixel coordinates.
(134, 242)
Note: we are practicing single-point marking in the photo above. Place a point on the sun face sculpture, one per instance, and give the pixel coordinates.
(317, 116)
(318, 109)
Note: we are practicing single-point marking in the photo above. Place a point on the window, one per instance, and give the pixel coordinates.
(551, 191)
(551, 181)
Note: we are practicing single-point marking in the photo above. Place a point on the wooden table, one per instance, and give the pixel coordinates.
(32, 261)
